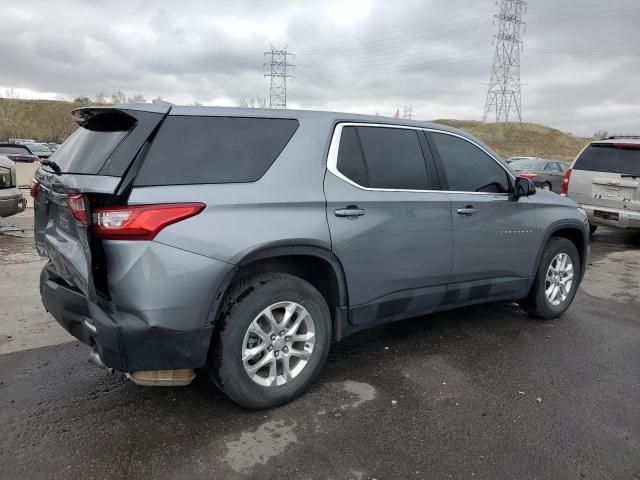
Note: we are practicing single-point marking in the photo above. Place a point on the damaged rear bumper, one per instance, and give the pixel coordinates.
(124, 341)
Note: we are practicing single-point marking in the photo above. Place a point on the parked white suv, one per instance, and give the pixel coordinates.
(605, 180)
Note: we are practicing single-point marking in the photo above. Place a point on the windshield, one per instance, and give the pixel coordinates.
(610, 157)
(532, 164)
(37, 148)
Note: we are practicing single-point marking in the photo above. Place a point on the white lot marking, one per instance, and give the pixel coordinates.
(615, 277)
(252, 448)
(24, 323)
(362, 391)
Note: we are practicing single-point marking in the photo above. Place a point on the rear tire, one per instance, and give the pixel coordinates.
(291, 360)
(554, 286)
(546, 186)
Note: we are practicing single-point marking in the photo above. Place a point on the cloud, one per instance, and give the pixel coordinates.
(579, 68)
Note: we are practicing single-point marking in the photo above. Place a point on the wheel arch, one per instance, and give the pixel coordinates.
(317, 265)
(574, 232)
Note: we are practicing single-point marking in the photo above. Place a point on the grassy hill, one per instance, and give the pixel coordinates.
(50, 120)
(523, 139)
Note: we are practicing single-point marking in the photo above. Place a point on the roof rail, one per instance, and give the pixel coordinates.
(613, 137)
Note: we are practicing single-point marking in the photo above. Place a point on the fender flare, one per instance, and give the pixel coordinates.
(341, 326)
(563, 225)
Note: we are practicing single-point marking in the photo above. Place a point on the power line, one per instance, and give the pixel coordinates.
(504, 95)
(278, 73)
(377, 38)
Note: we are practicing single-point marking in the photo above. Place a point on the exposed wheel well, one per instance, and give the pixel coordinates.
(314, 269)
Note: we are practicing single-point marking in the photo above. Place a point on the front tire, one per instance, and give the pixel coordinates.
(556, 281)
(271, 341)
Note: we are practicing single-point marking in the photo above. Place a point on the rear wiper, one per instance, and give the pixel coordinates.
(52, 165)
(630, 175)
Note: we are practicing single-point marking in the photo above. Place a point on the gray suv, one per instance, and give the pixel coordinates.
(245, 241)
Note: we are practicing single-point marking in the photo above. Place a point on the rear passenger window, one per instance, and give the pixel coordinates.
(383, 157)
(192, 150)
(469, 169)
(350, 158)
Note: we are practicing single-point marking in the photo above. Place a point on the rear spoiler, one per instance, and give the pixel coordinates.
(84, 115)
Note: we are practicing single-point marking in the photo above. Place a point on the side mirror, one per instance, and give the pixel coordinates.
(524, 187)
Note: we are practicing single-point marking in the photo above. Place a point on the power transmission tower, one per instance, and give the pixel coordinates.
(503, 96)
(279, 71)
(407, 112)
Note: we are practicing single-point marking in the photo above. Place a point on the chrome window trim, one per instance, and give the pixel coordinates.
(332, 157)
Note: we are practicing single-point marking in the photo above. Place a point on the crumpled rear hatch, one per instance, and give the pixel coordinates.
(90, 168)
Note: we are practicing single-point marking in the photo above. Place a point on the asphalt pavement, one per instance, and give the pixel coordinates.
(483, 392)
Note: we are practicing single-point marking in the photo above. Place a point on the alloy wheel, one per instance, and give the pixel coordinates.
(278, 344)
(559, 279)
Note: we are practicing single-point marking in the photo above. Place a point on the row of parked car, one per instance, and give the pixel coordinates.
(27, 150)
(21, 150)
(603, 179)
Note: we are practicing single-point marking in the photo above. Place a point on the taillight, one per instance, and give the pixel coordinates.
(77, 208)
(140, 222)
(34, 187)
(529, 176)
(564, 188)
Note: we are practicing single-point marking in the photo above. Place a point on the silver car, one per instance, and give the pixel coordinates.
(605, 180)
(11, 199)
(244, 240)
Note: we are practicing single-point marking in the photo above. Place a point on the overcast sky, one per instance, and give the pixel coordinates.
(580, 64)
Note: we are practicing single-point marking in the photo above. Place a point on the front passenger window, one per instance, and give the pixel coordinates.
(467, 168)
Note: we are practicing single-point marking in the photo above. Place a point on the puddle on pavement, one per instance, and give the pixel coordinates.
(256, 448)
(361, 392)
(614, 276)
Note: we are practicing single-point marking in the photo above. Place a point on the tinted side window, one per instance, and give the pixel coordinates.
(350, 158)
(469, 169)
(393, 158)
(192, 150)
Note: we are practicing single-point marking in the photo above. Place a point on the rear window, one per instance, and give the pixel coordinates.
(382, 157)
(527, 164)
(609, 157)
(89, 147)
(15, 150)
(193, 150)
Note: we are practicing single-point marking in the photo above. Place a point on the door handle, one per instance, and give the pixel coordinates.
(351, 212)
(468, 210)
